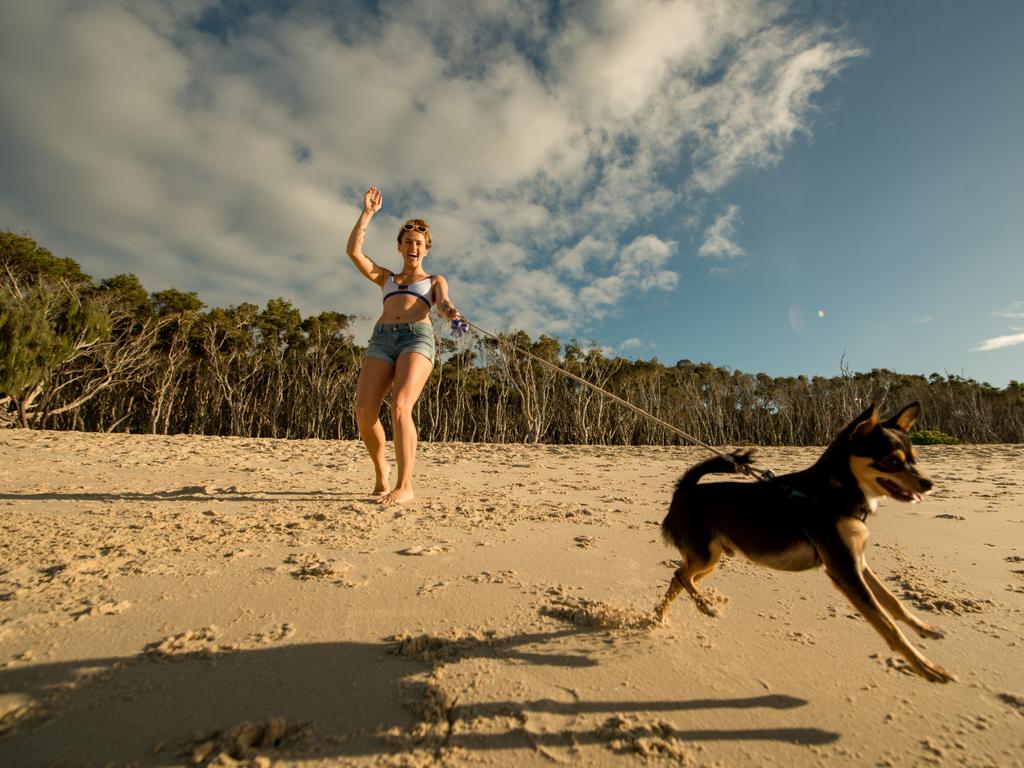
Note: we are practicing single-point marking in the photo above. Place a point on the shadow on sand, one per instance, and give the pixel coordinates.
(188, 493)
(354, 696)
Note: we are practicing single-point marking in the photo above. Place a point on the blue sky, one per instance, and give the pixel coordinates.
(774, 187)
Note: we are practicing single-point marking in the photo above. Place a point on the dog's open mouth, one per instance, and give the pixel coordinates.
(897, 491)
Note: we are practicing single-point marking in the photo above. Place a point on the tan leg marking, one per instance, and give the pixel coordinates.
(686, 578)
(848, 574)
(898, 611)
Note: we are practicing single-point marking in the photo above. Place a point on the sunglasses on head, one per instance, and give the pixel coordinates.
(418, 227)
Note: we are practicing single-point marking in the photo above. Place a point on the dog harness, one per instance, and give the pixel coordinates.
(421, 289)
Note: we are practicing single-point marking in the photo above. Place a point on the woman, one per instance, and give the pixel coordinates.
(400, 355)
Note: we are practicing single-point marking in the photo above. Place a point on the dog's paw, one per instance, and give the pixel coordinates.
(929, 632)
(708, 609)
(934, 673)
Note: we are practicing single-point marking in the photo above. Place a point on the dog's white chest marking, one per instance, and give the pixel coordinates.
(872, 500)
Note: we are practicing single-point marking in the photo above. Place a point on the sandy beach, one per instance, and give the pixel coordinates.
(225, 601)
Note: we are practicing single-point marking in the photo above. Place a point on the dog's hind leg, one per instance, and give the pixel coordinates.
(693, 569)
(675, 586)
(898, 611)
(702, 602)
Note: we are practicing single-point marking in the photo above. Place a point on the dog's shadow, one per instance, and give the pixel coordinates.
(191, 493)
(360, 699)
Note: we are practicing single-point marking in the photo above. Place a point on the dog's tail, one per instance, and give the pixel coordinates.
(719, 465)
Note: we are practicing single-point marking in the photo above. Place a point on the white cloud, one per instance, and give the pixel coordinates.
(999, 342)
(763, 101)
(133, 140)
(583, 256)
(1013, 312)
(797, 318)
(634, 349)
(718, 238)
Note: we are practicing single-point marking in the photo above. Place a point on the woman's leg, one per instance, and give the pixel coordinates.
(411, 373)
(375, 379)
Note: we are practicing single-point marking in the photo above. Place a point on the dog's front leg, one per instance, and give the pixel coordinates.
(844, 563)
(899, 611)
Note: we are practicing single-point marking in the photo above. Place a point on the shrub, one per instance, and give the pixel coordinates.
(932, 437)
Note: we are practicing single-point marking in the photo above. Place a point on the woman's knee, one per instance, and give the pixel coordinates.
(401, 409)
(401, 412)
(367, 412)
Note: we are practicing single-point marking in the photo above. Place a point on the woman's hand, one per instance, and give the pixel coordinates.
(450, 311)
(372, 201)
(371, 204)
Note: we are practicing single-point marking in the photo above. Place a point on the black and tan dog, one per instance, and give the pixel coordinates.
(806, 519)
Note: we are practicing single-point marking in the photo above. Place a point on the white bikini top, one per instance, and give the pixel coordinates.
(421, 289)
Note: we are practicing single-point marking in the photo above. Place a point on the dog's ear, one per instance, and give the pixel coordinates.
(864, 423)
(906, 418)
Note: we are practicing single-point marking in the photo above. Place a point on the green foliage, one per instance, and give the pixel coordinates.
(46, 314)
(26, 343)
(110, 356)
(124, 295)
(326, 327)
(24, 260)
(38, 332)
(932, 437)
(279, 325)
(175, 302)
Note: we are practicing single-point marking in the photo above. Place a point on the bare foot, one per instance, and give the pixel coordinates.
(380, 484)
(397, 496)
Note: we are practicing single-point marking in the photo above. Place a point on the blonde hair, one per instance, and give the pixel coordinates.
(415, 223)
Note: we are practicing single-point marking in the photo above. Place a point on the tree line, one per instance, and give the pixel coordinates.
(111, 356)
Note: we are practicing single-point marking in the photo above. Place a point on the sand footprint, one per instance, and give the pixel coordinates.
(421, 551)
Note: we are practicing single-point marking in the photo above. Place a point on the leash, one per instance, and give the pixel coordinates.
(461, 326)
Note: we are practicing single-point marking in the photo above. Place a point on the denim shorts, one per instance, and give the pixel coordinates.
(392, 340)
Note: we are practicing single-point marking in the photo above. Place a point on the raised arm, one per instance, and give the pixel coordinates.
(372, 201)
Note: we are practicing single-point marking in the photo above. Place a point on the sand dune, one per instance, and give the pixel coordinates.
(225, 601)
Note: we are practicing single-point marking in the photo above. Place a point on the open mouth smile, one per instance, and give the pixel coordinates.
(897, 491)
